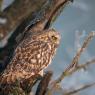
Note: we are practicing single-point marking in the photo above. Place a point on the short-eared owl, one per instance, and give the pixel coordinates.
(32, 55)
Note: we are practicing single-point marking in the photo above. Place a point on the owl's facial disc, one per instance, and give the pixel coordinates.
(49, 35)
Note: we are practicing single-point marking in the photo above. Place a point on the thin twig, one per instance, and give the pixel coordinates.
(82, 66)
(80, 89)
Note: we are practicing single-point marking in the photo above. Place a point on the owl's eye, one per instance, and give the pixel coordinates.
(54, 38)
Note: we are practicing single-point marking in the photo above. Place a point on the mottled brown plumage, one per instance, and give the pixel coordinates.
(32, 56)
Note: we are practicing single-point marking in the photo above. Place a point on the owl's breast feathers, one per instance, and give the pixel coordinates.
(29, 59)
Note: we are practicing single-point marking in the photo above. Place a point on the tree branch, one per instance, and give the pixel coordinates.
(16, 13)
(42, 87)
(80, 89)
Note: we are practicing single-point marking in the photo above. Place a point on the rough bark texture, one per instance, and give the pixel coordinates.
(16, 13)
(42, 87)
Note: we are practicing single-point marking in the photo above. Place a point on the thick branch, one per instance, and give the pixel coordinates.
(27, 84)
(16, 13)
(43, 85)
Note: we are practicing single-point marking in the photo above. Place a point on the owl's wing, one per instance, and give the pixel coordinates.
(32, 57)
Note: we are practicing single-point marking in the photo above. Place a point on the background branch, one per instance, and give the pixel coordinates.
(80, 89)
(74, 66)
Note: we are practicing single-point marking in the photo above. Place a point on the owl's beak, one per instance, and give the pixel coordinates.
(58, 39)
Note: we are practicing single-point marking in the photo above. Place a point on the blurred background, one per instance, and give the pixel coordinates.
(74, 24)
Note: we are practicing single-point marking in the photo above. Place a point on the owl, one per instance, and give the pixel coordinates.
(32, 56)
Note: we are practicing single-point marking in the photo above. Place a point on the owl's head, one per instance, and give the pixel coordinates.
(50, 36)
